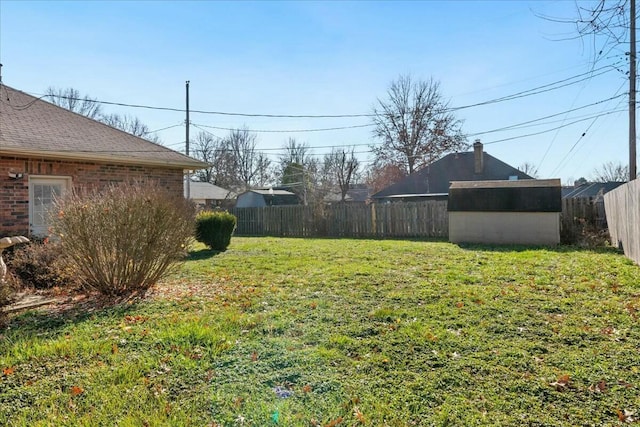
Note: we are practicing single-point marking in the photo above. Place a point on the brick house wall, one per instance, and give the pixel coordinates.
(14, 193)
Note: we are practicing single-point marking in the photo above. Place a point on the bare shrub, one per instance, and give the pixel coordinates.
(7, 296)
(584, 234)
(41, 265)
(124, 239)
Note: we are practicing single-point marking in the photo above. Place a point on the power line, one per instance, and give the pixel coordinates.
(574, 145)
(165, 128)
(552, 129)
(291, 130)
(521, 124)
(529, 92)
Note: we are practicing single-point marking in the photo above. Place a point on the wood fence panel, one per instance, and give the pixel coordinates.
(411, 219)
(389, 220)
(622, 207)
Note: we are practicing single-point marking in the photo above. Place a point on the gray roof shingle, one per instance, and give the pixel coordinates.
(435, 178)
(31, 126)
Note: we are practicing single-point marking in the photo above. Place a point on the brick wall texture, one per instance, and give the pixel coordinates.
(14, 193)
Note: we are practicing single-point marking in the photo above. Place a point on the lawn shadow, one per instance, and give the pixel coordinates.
(51, 320)
(522, 248)
(203, 254)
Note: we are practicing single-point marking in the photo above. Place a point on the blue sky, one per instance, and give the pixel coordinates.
(327, 58)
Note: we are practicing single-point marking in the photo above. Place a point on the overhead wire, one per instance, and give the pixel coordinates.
(533, 91)
(529, 92)
(580, 138)
(290, 130)
(604, 130)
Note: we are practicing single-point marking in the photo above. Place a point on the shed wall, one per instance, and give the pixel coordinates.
(519, 228)
(250, 200)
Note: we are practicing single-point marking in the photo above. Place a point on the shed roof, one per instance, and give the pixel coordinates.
(30, 126)
(273, 192)
(524, 183)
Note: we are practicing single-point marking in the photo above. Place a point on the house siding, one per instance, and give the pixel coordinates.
(14, 193)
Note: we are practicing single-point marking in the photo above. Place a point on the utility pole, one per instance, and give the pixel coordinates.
(187, 123)
(632, 93)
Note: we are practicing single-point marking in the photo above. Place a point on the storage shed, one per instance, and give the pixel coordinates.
(261, 198)
(523, 212)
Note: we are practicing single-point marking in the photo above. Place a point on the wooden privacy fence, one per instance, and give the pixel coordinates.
(586, 209)
(581, 217)
(413, 219)
(623, 214)
(401, 219)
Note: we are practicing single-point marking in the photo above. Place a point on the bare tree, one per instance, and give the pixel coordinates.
(71, 99)
(604, 22)
(611, 172)
(381, 176)
(530, 169)
(215, 153)
(251, 167)
(415, 125)
(609, 26)
(129, 124)
(298, 170)
(343, 166)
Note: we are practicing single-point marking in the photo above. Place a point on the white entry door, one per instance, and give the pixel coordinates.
(42, 193)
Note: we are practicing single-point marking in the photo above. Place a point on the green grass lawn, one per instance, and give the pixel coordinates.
(323, 332)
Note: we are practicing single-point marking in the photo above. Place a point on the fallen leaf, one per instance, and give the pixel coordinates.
(237, 401)
(334, 423)
(626, 416)
(306, 388)
(625, 384)
(8, 371)
(459, 304)
(254, 357)
(114, 348)
(561, 383)
(358, 415)
(599, 387)
(75, 390)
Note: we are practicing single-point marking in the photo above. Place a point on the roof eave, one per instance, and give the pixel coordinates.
(63, 155)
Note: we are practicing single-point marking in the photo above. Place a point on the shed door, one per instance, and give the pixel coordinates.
(42, 193)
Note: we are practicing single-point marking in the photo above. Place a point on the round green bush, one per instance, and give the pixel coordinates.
(214, 229)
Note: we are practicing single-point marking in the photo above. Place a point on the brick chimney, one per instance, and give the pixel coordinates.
(478, 157)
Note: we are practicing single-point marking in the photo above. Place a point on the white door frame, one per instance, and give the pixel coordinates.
(38, 224)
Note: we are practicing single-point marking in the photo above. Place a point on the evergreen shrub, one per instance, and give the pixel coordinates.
(214, 229)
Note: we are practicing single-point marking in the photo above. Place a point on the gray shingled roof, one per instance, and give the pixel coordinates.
(30, 126)
(435, 178)
(590, 189)
(208, 191)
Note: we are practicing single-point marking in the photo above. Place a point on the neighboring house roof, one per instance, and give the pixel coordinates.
(30, 126)
(435, 178)
(357, 193)
(208, 191)
(593, 189)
